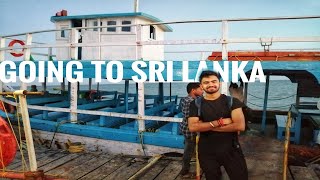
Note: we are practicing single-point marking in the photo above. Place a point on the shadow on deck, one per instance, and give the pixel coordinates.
(264, 158)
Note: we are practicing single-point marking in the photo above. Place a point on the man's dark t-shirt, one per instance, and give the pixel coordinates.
(211, 141)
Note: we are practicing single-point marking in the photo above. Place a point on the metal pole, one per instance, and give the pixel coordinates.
(2, 45)
(126, 95)
(74, 40)
(99, 40)
(27, 53)
(74, 102)
(265, 104)
(141, 106)
(62, 85)
(245, 93)
(161, 93)
(2, 57)
(140, 84)
(224, 85)
(27, 129)
(90, 84)
(136, 5)
(286, 146)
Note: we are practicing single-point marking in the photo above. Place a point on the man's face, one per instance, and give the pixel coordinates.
(210, 84)
(198, 91)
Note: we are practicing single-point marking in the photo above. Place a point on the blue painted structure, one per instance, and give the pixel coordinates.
(100, 127)
(295, 129)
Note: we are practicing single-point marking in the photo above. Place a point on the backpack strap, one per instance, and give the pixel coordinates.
(198, 102)
(230, 101)
(235, 142)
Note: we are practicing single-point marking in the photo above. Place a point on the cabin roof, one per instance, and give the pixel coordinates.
(165, 27)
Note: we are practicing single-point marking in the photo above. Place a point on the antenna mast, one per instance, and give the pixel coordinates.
(136, 5)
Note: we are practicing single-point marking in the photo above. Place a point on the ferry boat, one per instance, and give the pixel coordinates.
(137, 123)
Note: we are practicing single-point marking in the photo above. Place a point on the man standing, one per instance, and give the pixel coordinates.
(193, 90)
(237, 92)
(218, 145)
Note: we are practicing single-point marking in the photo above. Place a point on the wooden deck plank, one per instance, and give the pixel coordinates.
(87, 167)
(69, 165)
(17, 158)
(303, 173)
(191, 175)
(155, 170)
(51, 157)
(128, 169)
(171, 171)
(107, 168)
(39, 156)
(52, 163)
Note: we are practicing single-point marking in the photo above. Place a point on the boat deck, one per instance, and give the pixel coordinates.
(263, 155)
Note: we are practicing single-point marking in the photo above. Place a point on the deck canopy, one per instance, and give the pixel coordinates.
(308, 84)
(151, 18)
(268, 56)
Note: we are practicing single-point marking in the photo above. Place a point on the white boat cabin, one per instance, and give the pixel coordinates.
(113, 35)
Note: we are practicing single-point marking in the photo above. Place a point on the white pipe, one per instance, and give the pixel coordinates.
(172, 42)
(27, 129)
(99, 113)
(224, 85)
(176, 22)
(136, 5)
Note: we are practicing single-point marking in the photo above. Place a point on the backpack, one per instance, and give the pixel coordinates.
(246, 110)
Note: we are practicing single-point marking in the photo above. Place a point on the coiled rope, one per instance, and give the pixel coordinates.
(72, 147)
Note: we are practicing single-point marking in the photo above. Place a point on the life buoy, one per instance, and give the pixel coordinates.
(14, 42)
(8, 144)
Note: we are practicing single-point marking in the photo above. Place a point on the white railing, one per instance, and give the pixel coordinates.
(224, 41)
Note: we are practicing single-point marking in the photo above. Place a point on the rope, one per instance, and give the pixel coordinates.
(198, 176)
(55, 131)
(141, 142)
(75, 147)
(72, 147)
(24, 164)
(272, 98)
(2, 163)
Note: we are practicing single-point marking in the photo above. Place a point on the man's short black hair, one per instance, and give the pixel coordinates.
(208, 73)
(234, 85)
(192, 85)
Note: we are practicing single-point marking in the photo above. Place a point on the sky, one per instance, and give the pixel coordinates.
(17, 16)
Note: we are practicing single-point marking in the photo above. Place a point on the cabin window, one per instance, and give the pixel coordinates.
(126, 28)
(64, 33)
(101, 25)
(152, 33)
(95, 23)
(111, 23)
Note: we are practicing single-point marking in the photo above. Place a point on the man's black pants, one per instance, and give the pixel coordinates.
(232, 160)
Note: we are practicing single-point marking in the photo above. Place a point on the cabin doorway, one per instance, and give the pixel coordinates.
(78, 23)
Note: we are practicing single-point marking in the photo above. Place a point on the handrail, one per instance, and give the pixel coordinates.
(237, 19)
(169, 42)
(99, 113)
(176, 22)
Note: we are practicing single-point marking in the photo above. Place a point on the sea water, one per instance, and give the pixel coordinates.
(282, 93)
